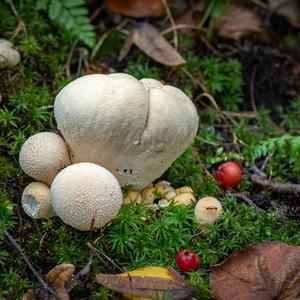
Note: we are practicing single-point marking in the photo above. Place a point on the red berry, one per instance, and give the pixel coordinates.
(187, 261)
(229, 174)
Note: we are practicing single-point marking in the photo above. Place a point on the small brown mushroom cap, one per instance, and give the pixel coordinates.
(148, 194)
(184, 199)
(184, 190)
(208, 210)
(132, 197)
(36, 201)
(161, 186)
(43, 155)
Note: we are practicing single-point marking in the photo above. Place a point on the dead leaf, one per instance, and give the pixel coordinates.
(147, 282)
(265, 271)
(136, 8)
(239, 21)
(60, 274)
(287, 8)
(149, 40)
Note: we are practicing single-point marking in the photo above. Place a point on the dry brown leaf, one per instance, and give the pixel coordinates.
(265, 271)
(60, 274)
(136, 8)
(239, 21)
(147, 282)
(149, 40)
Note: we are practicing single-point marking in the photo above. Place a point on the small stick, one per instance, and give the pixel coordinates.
(84, 271)
(246, 199)
(30, 266)
(97, 253)
(259, 172)
(280, 188)
(172, 21)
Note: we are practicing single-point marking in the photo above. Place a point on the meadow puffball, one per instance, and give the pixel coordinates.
(43, 155)
(208, 210)
(86, 196)
(36, 201)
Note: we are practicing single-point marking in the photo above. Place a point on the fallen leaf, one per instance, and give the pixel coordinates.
(239, 21)
(149, 40)
(60, 274)
(136, 8)
(147, 282)
(265, 271)
(287, 8)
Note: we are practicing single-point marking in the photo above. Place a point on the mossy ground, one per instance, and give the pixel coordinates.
(139, 237)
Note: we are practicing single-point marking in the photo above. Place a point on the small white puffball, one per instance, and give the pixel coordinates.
(8, 55)
(163, 203)
(184, 199)
(184, 190)
(43, 155)
(161, 186)
(148, 194)
(208, 210)
(36, 201)
(132, 197)
(86, 196)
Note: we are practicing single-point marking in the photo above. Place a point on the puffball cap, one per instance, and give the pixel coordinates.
(43, 155)
(135, 129)
(36, 201)
(86, 196)
(208, 210)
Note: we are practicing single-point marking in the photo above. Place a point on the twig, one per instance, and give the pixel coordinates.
(21, 24)
(259, 172)
(182, 26)
(280, 188)
(244, 197)
(84, 271)
(172, 21)
(252, 91)
(30, 266)
(264, 164)
(99, 254)
(69, 58)
(197, 81)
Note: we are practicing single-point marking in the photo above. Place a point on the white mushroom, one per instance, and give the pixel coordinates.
(163, 203)
(135, 129)
(208, 210)
(170, 194)
(148, 194)
(184, 199)
(8, 55)
(86, 196)
(43, 155)
(184, 190)
(132, 197)
(161, 186)
(36, 201)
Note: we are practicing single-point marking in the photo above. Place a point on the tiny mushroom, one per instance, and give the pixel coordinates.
(8, 55)
(132, 197)
(43, 155)
(148, 194)
(208, 210)
(184, 190)
(184, 199)
(163, 203)
(134, 128)
(161, 186)
(86, 196)
(36, 201)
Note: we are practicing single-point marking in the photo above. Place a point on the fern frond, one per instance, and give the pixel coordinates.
(72, 15)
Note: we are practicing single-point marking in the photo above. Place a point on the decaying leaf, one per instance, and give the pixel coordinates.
(56, 279)
(136, 8)
(149, 40)
(239, 21)
(287, 8)
(60, 274)
(265, 271)
(147, 282)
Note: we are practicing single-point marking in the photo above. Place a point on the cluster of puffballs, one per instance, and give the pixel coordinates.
(113, 131)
